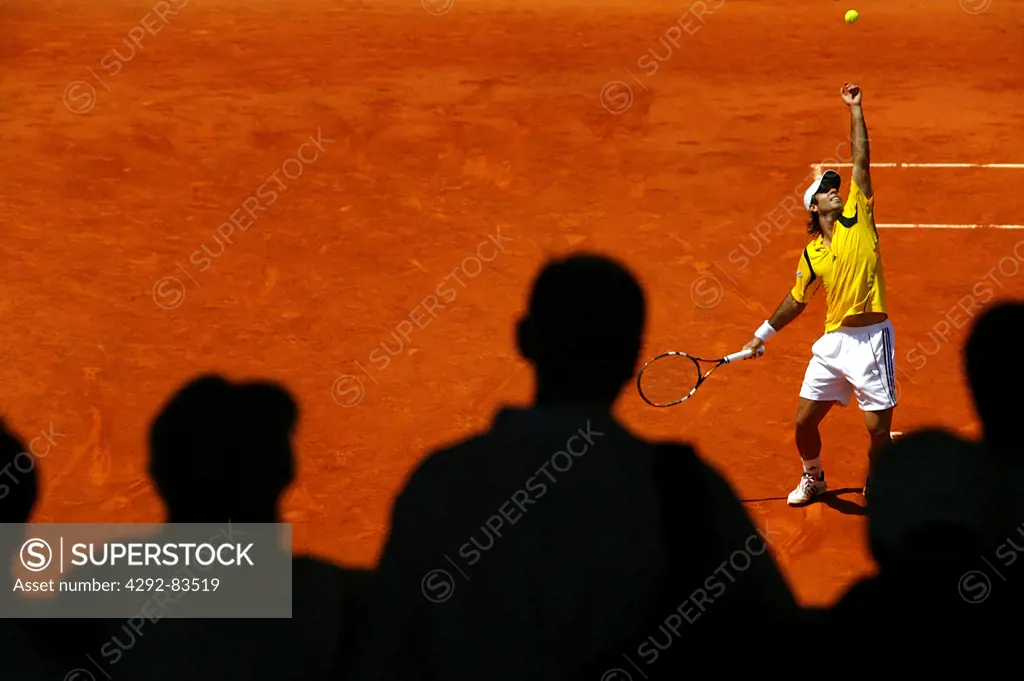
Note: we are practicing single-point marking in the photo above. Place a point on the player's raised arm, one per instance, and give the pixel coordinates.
(851, 95)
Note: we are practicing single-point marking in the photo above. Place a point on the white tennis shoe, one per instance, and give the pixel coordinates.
(809, 487)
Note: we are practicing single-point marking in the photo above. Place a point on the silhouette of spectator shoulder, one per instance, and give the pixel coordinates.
(534, 549)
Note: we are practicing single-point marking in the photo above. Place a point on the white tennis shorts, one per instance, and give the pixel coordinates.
(854, 361)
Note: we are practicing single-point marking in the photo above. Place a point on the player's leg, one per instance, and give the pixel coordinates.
(879, 424)
(872, 370)
(809, 415)
(824, 386)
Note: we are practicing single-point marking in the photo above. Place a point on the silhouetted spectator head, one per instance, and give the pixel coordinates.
(994, 377)
(934, 504)
(583, 329)
(222, 451)
(19, 487)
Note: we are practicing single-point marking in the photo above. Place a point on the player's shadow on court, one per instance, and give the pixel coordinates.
(833, 499)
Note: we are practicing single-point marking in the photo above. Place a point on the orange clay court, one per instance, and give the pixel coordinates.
(274, 189)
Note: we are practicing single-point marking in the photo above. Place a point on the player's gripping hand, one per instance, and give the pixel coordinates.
(757, 345)
(850, 94)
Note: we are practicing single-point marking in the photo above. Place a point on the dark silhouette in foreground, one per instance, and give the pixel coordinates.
(221, 453)
(19, 484)
(994, 374)
(23, 642)
(556, 542)
(935, 513)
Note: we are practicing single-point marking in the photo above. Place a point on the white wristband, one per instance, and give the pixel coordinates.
(765, 332)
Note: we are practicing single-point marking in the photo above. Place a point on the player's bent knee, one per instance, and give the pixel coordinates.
(807, 424)
(804, 423)
(879, 432)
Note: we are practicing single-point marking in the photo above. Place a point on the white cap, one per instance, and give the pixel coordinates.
(832, 178)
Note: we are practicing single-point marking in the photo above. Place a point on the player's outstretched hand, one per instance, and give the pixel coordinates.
(757, 345)
(850, 94)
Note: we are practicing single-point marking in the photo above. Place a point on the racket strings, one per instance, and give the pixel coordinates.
(669, 379)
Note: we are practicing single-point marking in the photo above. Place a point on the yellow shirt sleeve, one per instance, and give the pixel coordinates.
(859, 204)
(807, 282)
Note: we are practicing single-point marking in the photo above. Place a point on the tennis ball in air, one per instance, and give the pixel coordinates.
(852, 16)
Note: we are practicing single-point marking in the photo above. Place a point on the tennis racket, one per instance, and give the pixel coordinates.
(673, 377)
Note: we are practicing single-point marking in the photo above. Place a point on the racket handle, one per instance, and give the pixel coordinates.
(742, 354)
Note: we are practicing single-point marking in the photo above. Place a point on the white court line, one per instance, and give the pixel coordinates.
(895, 225)
(1004, 166)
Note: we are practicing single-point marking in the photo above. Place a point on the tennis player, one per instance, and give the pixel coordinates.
(856, 356)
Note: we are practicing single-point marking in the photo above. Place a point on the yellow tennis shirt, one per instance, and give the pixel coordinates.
(850, 267)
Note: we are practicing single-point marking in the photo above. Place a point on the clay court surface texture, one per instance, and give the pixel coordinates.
(274, 189)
